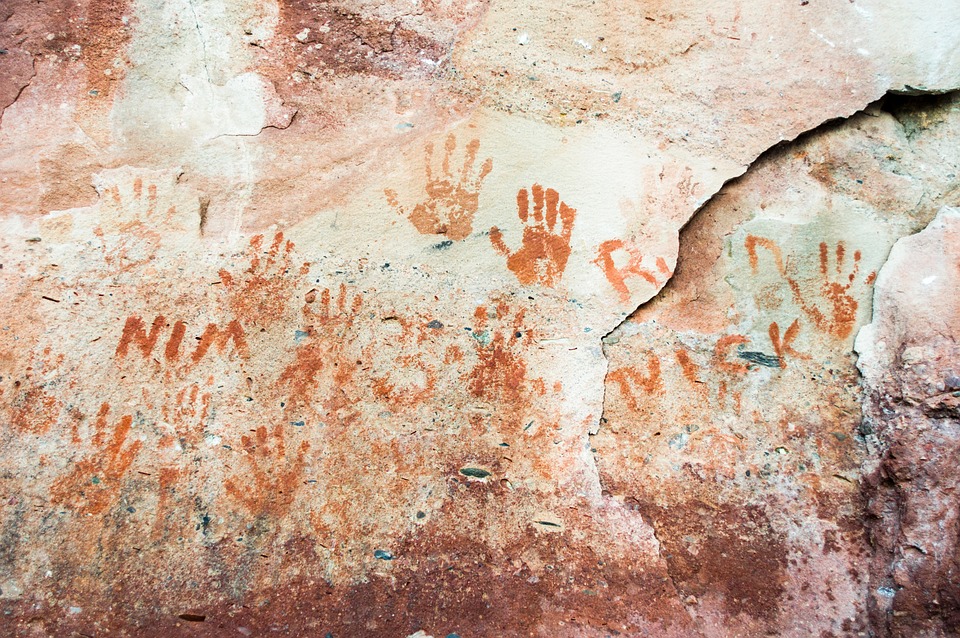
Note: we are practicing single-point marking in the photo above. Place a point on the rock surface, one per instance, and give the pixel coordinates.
(321, 318)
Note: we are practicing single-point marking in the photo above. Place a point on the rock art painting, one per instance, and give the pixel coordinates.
(474, 318)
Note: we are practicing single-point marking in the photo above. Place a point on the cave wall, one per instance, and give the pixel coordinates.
(479, 318)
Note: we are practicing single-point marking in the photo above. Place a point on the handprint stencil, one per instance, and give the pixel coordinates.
(543, 255)
(450, 206)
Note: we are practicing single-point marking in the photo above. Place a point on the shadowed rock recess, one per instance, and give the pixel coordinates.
(473, 318)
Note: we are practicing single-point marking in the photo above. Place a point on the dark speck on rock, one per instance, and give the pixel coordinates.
(436, 325)
(383, 554)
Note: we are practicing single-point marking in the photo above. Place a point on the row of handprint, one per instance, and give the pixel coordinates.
(453, 200)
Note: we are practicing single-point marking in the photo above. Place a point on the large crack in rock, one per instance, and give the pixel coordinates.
(660, 371)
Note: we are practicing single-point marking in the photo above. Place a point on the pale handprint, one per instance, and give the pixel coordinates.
(187, 415)
(330, 319)
(450, 206)
(261, 293)
(275, 478)
(546, 247)
(94, 483)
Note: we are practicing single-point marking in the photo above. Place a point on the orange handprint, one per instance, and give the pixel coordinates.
(450, 207)
(840, 315)
(842, 312)
(94, 483)
(275, 477)
(261, 296)
(543, 256)
(187, 413)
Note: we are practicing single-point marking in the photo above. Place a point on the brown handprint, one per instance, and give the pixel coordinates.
(275, 477)
(187, 415)
(450, 207)
(94, 483)
(501, 372)
(261, 295)
(330, 318)
(401, 374)
(543, 256)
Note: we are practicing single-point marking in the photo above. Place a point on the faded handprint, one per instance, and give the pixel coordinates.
(94, 483)
(400, 370)
(450, 207)
(135, 234)
(501, 373)
(841, 314)
(188, 414)
(275, 477)
(542, 258)
(329, 318)
(261, 294)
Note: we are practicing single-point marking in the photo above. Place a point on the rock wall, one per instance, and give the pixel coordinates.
(446, 318)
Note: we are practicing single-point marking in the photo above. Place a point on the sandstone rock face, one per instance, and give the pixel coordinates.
(322, 318)
(909, 360)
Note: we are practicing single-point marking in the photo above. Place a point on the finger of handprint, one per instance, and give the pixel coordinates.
(100, 426)
(449, 146)
(428, 160)
(137, 188)
(567, 215)
(841, 253)
(325, 303)
(553, 198)
(856, 265)
(823, 257)
(342, 299)
(393, 200)
(469, 158)
(485, 169)
(523, 204)
(120, 434)
(496, 238)
(151, 199)
(278, 437)
(274, 249)
(538, 203)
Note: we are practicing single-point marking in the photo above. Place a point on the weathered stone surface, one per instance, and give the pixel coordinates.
(303, 307)
(909, 359)
(732, 414)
